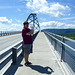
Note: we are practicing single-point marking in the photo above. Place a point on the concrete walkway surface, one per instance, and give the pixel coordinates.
(43, 60)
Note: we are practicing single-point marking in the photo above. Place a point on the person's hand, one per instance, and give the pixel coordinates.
(31, 27)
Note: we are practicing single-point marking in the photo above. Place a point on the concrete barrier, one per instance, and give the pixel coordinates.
(5, 33)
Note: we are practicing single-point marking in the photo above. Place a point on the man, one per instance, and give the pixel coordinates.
(27, 41)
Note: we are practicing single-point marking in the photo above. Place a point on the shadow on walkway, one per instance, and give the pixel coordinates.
(13, 68)
(46, 70)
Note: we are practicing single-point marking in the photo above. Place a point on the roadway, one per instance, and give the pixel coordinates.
(7, 41)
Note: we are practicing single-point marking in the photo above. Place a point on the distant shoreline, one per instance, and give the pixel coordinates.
(61, 31)
(69, 33)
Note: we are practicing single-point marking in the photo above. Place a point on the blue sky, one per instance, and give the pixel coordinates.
(51, 13)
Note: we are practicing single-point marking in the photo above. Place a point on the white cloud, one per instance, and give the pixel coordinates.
(17, 20)
(58, 14)
(68, 18)
(43, 25)
(18, 9)
(10, 7)
(36, 4)
(69, 14)
(42, 6)
(55, 24)
(43, 19)
(16, 27)
(74, 21)
(3, 27)
(12, 27)
(5, 7)
(74, 6)
(4, 20)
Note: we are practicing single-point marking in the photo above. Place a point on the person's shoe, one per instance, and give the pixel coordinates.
(29, 62)
(26, 64)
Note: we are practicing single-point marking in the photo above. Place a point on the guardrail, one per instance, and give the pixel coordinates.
(5, 33)
(65, 50)
(10, 55)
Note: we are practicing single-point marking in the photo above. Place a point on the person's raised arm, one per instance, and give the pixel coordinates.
(31, 32)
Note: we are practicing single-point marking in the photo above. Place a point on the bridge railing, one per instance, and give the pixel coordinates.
(10, 55)
(5, 33)
(65, 48)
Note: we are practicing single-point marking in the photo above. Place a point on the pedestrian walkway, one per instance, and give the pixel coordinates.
(43, 59)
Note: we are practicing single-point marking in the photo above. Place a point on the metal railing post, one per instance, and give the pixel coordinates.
(55, 46)
(1, 33)
(22, 50)
(51, 40)
(63, 50)
(14, 55)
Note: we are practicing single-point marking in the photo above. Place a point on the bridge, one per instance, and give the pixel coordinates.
(51, 54)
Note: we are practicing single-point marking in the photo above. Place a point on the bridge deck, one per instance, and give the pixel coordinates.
(43, 59)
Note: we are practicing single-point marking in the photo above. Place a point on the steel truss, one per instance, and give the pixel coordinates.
(33, 20)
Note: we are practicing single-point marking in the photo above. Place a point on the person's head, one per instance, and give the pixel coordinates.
(26, 24)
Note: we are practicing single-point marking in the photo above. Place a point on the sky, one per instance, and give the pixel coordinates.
(52, 14)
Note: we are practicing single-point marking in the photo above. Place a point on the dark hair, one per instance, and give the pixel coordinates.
(25, 23)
